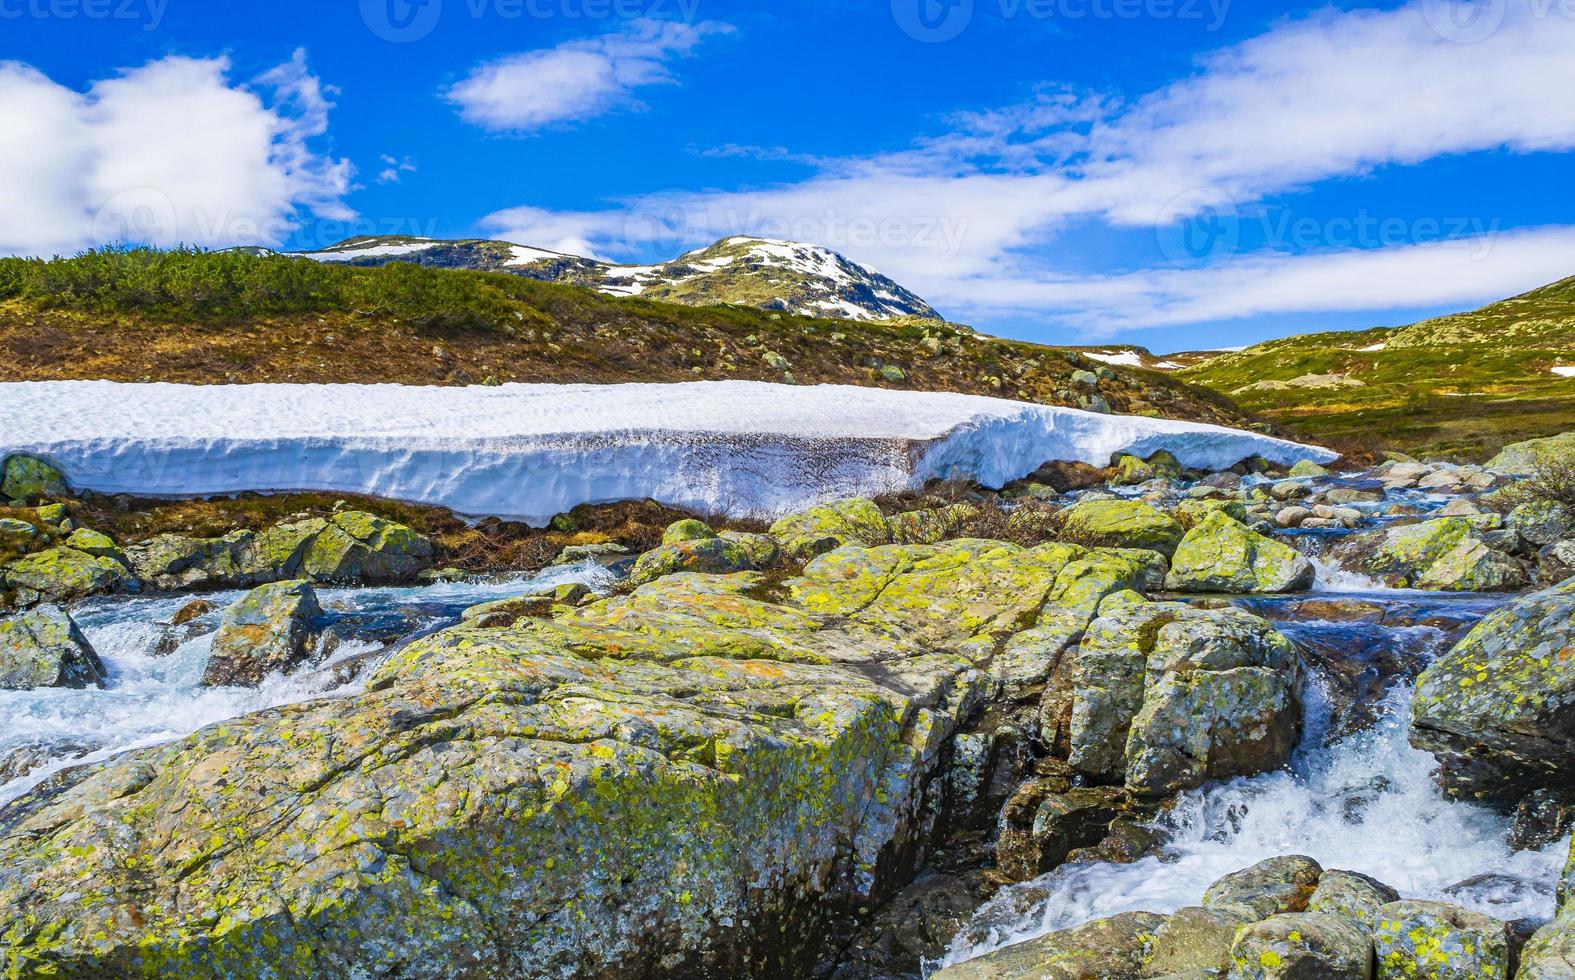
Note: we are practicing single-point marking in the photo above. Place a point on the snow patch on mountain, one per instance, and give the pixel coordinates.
(529, 452)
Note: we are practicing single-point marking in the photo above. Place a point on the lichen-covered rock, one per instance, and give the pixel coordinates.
(1302, 946)
(1122, 524)
(856, 520)
(352, 546)
(1039, 828)
(266, 630)
(763, 550)
(1525, 458)
(1196, 939)
(43, 647)
(1272, 887)
(1499, 709)
(95, 543)
(1166, 696)
(1222, 555)
(1406, 556)
(65, 574)
(1131, 470)
(1098, 950)
(30, 479)
(1192, 512)
(709, 555)
(1550, 955)
(1352, 895)
(1541, 522)
(687, 529)
(542, 602)
(689, 780)
(1307, 468)
(1436, 941)
(1471, 566)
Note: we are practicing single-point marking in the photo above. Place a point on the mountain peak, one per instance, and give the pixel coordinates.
(795, 277)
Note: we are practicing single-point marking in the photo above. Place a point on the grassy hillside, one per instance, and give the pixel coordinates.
(210, 318)
(1461, 385)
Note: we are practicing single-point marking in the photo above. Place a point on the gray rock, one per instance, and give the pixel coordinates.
(266, 630)
(1303, 946)
(1436, 940)
(1104, 948)
(1271, 887)
(44, 648)
(1351, 895)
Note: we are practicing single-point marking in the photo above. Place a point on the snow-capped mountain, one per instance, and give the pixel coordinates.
(807, 280)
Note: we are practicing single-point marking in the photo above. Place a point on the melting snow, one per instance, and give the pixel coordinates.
(529, 452)
(1565, 371)
(1373, 349)
(525, 255)
(1126, 358)
(371, 251)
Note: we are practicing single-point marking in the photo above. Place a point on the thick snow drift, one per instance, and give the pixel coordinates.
(527, 452)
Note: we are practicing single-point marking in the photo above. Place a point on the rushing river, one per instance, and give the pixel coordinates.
(149, 698)
(1356, 796)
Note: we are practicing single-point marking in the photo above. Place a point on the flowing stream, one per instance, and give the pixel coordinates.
(149, 698)
(1356, 795)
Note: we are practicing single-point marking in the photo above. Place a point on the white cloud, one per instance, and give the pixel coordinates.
(577, 79)
(394, 168)
(975, 218)
(168, 153)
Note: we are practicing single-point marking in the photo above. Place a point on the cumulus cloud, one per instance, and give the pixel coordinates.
(976, 217)
(172, 152)
(578, 79)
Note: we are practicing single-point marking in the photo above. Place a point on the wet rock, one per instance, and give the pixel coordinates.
(1166, 696)
(30, 479)
(1040, 827)
(915, 926)
(1302, 945)
(1104, 948)
(1471, 566)
(1122, 524)
(1222, 555)
(1351, 895)
(1440, 942)
(44, 648)
(1540, 819)
(707, 555)
(1277, 885)
(815, 531)
(195, 609)
(65, 575)
(17, 761)
(1196, 939)
(1498, 711)
(266, 630)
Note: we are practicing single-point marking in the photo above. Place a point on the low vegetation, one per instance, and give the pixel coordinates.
(209, 318)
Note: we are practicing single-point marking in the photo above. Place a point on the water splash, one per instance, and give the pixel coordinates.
(151, 699)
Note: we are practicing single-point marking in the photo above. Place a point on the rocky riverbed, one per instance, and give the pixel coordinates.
(1137, 722)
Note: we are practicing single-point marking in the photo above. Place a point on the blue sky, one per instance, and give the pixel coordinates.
(1172, 173)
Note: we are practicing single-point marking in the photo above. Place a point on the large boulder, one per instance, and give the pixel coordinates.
(1471, 566)
(1104, 948)
(1222, 555)
(269, 629)
(1526, 458)
(28, 479)
(1443, 554)
(1355, 896)
(694, 779)
(169, 562)
(1165, 696)
(44, 648)
(359, 547)
(711, 555)
(65, 575)
(1271, 887)
(1436, 941)
(1499, 709)
(856, 520)
(1121, 524)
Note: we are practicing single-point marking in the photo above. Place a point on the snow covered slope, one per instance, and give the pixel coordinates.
(808, 280)
(528, 452)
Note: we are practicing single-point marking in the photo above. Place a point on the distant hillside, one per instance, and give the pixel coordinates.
(789, 277)
(203, 317)
(1459, 385)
